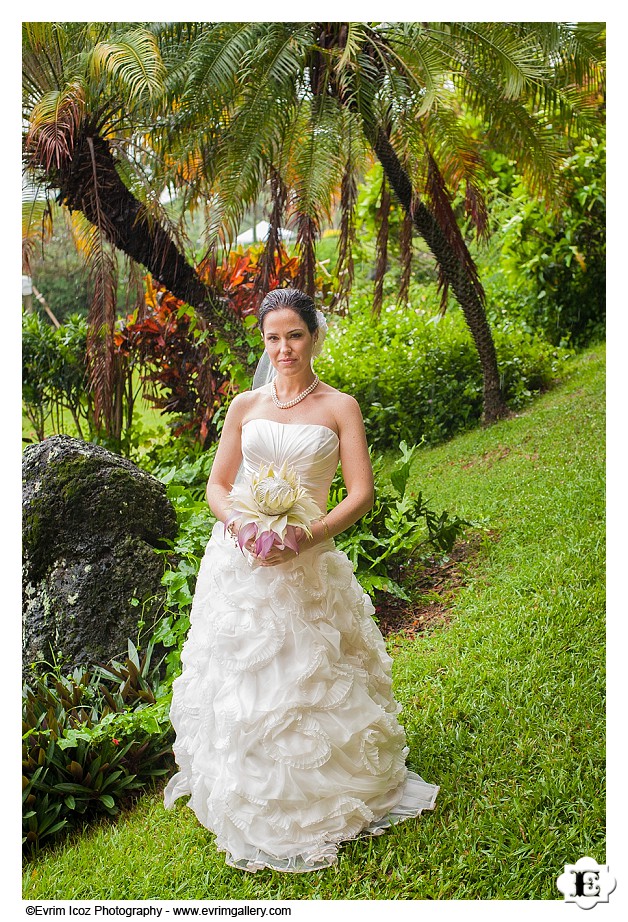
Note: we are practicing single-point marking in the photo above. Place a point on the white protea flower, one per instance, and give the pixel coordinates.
(271, 505)
(276, 493)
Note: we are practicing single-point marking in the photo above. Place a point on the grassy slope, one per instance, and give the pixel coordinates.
(504, 707)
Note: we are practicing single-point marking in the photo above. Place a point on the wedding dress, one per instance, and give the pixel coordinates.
(287, 739)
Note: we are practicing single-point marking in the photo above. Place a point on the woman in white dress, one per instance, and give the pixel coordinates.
(287, 739)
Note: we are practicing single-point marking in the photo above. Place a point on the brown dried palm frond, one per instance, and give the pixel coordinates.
(405, 256)
(441, 208)
(383, 218)
(91, 242)
(54, 124)
(101, 320)
(136, 290)
(308, 232)
(344, 265)
(273, 246)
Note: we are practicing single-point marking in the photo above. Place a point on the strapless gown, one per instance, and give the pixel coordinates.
(287, 738)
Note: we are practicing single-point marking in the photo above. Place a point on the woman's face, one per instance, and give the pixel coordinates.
(288, 341)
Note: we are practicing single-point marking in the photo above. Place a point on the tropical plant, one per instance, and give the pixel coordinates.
(266, 104)
(90, 740)
(218, 112)
(553, 264)
(178, 372)
(399, 528)
(90, 91)
(418, 377)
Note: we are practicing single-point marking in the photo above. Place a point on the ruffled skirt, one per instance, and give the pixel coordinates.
(287, 739)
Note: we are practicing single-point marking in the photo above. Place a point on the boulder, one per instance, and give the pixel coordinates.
(92, 522)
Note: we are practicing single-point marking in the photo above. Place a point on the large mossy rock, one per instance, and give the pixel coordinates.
(92, 522)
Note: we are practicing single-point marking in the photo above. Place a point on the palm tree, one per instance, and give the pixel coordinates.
(298, 104)
(220, 112)
(90, 93)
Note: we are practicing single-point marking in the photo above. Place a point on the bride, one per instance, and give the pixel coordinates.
(287, 739)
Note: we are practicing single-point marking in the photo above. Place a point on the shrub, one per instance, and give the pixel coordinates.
(418, 378)
(90, 741)
(551, 271)
(185, 483)
(54, 372)
(400, 526)
(55, 379)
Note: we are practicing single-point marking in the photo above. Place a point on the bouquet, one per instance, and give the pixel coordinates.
(271, 506)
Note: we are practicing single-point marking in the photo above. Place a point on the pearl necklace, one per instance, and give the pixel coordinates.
(292, 403)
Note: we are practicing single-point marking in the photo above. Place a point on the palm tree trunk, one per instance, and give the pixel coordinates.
(467, 296)
(90, 183)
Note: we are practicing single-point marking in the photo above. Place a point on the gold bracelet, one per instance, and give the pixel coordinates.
(326, 527)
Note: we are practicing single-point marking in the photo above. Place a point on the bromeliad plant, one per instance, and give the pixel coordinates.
(400, 526)
(90, 741)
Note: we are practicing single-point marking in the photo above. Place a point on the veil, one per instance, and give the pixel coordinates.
(264, 373)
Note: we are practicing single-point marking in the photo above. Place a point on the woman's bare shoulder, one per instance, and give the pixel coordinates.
(246, 403)
(245, 399)
(344, 407)
(340, 399)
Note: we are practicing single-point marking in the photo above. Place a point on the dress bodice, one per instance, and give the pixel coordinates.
(312, 450)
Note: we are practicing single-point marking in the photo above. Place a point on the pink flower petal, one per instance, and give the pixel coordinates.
(290, 539)
(246, 532)
(264, 543)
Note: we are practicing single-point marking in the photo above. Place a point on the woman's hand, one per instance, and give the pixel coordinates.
(276, 554)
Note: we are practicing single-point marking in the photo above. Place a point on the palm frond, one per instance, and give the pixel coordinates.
(316, 164)
(405, 257)
(308, 232)
(511, 57)
(101, 319)
(273, 245)
(234, 159)
(441, 208)
(352, 39)
(54, 123)
(214, 63)
(134, 61)
(37, 228)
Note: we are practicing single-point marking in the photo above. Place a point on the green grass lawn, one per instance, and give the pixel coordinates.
(503, 706)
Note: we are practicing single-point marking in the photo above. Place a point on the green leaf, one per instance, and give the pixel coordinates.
(133, 654)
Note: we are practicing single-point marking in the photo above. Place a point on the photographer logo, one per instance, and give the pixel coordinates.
(586, 883)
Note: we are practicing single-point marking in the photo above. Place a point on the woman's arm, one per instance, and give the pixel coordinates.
(357, 473)
(228, 459)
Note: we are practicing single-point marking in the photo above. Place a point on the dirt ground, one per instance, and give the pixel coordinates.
(433, 587)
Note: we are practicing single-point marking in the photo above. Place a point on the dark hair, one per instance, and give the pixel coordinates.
(295, 300)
